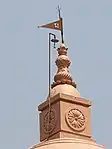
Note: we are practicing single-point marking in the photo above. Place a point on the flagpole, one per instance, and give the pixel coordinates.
(62, 30)
(61, 23)
(54, 40)
(49, 63)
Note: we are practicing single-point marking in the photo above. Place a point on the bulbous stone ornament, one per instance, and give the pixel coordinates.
(75, 119)
(63, 75)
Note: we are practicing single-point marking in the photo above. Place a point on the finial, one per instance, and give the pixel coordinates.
(58, 8)
(63, 75)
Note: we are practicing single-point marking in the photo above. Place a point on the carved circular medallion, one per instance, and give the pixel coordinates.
(49, 121)
(75, 119)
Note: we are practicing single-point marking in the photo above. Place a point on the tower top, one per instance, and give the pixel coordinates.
(65, 113)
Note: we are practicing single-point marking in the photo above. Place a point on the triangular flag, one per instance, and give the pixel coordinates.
(57, 25)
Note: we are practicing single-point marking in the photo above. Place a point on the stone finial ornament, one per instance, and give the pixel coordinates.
(63, 75)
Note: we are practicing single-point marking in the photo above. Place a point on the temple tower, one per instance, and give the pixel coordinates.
(65, 117)
(68, 122)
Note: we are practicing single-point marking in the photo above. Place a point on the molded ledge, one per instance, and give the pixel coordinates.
(66, 98)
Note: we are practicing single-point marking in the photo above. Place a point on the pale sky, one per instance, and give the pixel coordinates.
(24, 68)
